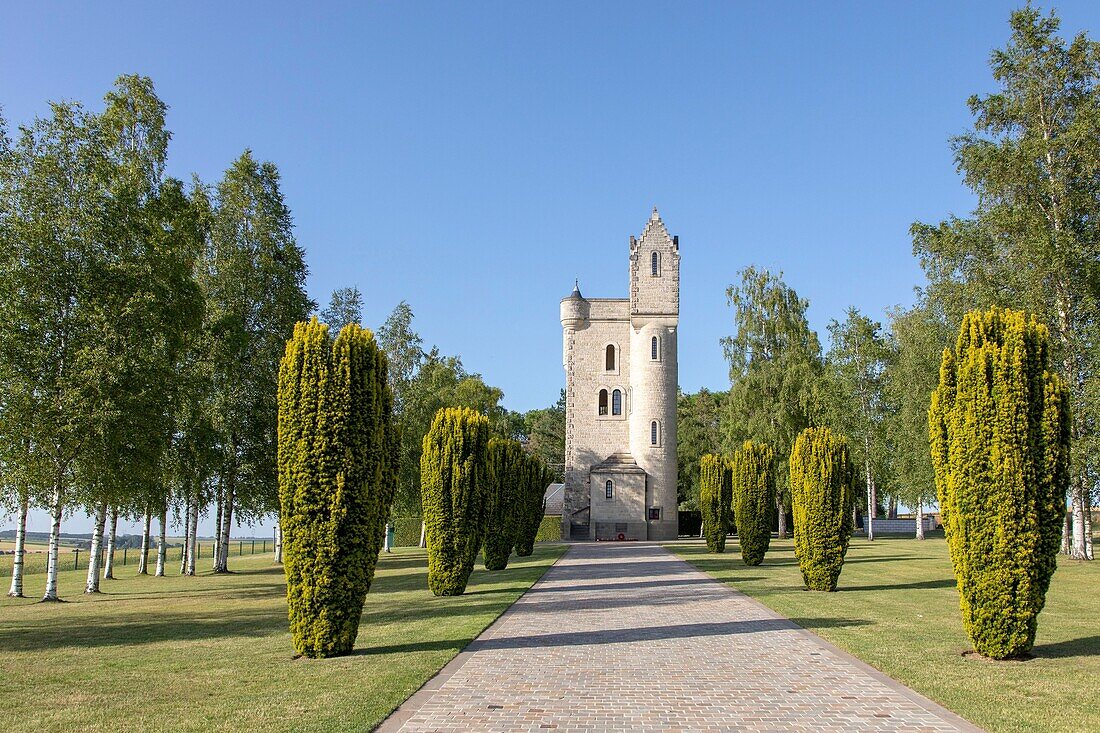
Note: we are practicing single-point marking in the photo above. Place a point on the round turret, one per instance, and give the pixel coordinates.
(574, 309)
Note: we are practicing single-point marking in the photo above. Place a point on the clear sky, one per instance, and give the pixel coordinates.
(474, 158)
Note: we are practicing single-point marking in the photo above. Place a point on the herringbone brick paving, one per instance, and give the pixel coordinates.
(628, 637)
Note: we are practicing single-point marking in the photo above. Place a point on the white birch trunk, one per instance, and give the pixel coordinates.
(186, 534)
(423, 535)
(782, 533)
(162, 541)
(920, 521)
(222, 565)
(143, 559)
(278, 544)
(109, 561)
(55, 538)
(16, 590)
(1078, 551)
(872, 503)
(1067, 532)
(192, 550)
(386, 539)
(92, 584)
(218, 532)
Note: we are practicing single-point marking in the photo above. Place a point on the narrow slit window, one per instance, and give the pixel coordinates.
(655, 264)
(603, 401)
(609, 359)
(616, 402)
(609, 490)
(653, 433)
(654, 347)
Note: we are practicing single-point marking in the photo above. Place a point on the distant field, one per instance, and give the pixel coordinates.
(6, 546)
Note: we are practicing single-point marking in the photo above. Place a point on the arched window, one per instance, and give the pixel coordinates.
(616, 403)
(653, 433)
(603, 401)
(609, 359)
(654, 348)
(655, 264)
(608, 490)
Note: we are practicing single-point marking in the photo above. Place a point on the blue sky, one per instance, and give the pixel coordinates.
(473, 159)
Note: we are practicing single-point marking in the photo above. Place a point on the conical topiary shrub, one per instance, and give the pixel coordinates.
(822, 493)
(999, 429)
(715, 500)
(753, 468)
(506, 494)
(454, 488)
(336, 447)
(535, 477)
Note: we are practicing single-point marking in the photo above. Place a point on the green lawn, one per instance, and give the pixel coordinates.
(897, 609)
(213, 653)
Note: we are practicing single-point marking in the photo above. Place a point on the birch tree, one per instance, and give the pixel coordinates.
(856, 367)
(1032, 159)
(253, 275)
(775, 365)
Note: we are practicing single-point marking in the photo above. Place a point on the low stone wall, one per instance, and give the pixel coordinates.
(897, 526)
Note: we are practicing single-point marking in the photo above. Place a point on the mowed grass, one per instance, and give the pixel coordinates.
(212, 653)
(898, 610)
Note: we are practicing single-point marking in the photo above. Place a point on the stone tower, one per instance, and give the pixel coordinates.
(620, 365)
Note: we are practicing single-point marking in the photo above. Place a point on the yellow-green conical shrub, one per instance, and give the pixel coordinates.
(753, 499)
(715, 500)
(822, 492)
(454, 489)
(336, 446)
(999, 430)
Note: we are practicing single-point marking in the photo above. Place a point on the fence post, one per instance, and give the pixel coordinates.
(253, 547)
(240, 548)
(124, 555)
(76, 558)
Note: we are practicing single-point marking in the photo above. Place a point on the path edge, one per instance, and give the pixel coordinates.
(917, 698)
(412, 704)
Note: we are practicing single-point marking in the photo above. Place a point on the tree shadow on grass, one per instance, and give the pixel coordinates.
(615, 636)
(919, 585)
(1088, 646)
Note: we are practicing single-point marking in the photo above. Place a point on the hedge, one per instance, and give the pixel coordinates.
(822, 493)
(453, 493)
(753, 469)
(999, 429)
(336, 477)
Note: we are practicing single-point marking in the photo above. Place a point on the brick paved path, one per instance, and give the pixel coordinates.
(628, 637)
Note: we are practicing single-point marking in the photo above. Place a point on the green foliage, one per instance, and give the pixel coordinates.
(336, 475)
(822, 494)
(697, 433)
(999, 428)
(454, 486)
(775, 365)
(549, 529)
(344, 308)
(855, 401)
(506, 459)
(406, 531)
(715, 500)
(536, 477)
(920, 334)
(1030, 243)
(753, 469)
(545, 429)
(253, 275)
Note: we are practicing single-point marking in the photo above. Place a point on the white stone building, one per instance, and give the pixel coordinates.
(620, 417)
